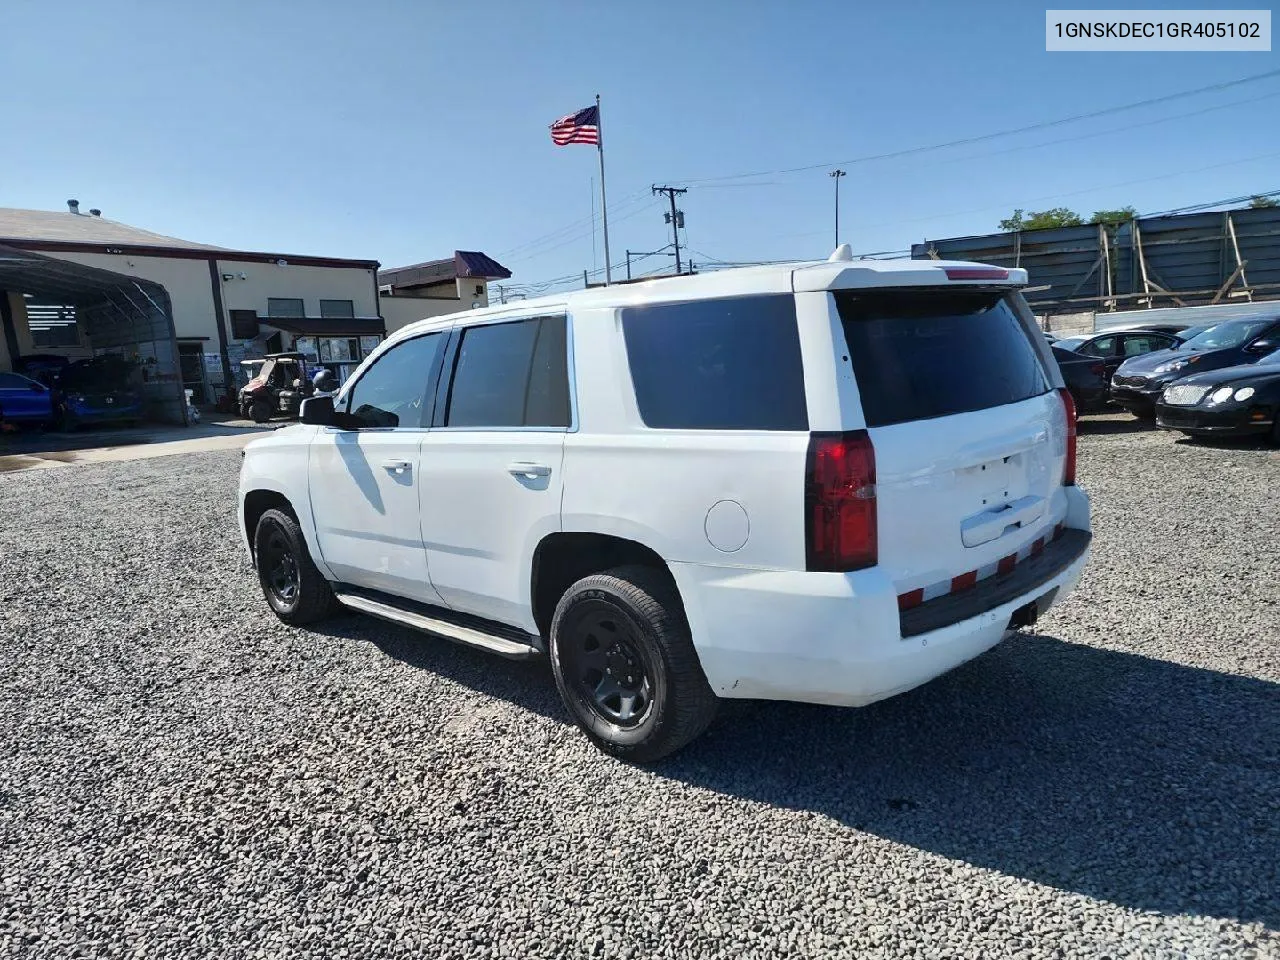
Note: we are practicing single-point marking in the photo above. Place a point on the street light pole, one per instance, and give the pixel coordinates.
(836, 175)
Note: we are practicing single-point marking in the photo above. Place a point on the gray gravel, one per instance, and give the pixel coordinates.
(183, 776)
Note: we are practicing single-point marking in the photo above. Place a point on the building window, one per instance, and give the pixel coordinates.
(337, 308)
(285, 307)
(479, 289)
(244, 324)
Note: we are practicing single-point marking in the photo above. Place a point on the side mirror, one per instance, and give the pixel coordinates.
(1265, 345)
(318, 411)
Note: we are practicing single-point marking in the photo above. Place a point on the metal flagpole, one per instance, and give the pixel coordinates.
(604, 209)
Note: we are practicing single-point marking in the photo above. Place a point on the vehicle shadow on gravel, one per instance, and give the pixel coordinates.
(1141, 782)
(1087, 425)
(528, 684)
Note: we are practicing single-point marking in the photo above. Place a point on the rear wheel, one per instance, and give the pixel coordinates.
(625, 665)
(259, 411)
(294, 588)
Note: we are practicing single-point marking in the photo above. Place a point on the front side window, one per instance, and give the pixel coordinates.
(921, 353)
(511, 375)
(392, 392)
(11, 381)
(285, 307)
(729, 364)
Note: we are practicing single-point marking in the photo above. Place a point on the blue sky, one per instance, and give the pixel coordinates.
(401, 131)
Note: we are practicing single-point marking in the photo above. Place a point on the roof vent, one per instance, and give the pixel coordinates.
(95, 212)
(841, 254)
(73, 206)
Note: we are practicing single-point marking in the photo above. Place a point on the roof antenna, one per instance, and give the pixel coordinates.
(842, 254)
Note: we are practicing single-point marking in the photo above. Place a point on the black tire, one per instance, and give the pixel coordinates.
(1275, 430)
(260, 411)
(621, 636)
(295, 590)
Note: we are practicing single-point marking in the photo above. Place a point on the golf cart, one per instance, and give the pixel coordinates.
(277, 386)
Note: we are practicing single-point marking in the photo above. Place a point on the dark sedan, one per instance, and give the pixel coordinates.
(1139, 382)
(1232, 401)
(1087, 362)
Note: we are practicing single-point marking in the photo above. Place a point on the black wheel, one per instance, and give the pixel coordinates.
(1275, 430)
(294, 588)
(260, 411)
(626, 667)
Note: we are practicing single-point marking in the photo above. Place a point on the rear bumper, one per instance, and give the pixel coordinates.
(1210, 423)
(839, 639)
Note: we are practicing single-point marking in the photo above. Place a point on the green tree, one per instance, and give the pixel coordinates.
(1262, 203)
(1041, 219)
(1121, 215)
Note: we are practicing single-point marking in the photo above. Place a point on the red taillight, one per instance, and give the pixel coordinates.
(1069, 468)
(976, 273)
(840, 502)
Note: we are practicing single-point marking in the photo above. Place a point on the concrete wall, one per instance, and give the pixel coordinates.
(187, 281)
(261, 281)
(398, 312)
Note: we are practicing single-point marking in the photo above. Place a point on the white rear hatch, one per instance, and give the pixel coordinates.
(969, 434)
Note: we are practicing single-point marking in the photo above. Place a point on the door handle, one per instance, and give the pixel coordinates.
(397, 466)
(530, 470)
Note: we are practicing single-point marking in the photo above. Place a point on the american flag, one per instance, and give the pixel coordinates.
(580, 127)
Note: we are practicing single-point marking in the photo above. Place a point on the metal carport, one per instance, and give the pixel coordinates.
(116, 314)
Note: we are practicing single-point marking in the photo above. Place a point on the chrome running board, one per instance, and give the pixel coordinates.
(482, 639)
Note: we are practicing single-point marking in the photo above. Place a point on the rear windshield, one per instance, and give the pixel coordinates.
(920, 354)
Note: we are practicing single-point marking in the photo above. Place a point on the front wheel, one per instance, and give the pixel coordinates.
(260, 411)
(626, 667)
(294, 588)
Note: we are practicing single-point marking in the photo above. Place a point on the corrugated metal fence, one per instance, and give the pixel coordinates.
(1226, 256)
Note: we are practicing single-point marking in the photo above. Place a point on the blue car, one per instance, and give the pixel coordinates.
(24, 401)
(97, 391)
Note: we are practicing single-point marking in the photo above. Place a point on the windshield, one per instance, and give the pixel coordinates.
(1226, 335)
(1069, 343)
(1272, 359)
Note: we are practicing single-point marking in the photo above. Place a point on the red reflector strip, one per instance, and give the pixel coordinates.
(976, 273)
(1037, 547)
(964, 581)
(912, 598)
(1007, 563)
(1059, 530)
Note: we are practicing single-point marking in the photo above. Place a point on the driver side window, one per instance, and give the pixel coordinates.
(392, 392)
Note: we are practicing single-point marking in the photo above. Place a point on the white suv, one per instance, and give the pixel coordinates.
(826, 482)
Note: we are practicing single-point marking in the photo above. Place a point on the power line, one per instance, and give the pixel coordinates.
(989, 136)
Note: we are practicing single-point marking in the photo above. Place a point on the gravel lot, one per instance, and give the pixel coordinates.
(183, 776)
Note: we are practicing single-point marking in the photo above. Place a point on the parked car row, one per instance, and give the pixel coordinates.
(1210, 380)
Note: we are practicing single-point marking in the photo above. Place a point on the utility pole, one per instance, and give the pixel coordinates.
(675, 217)
(836, 175)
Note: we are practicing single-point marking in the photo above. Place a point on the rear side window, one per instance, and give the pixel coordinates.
(920, 354)
(511, 375)
(717, 364)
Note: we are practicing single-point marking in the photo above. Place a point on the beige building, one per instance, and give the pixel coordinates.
(436, 288)
(225, 305)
